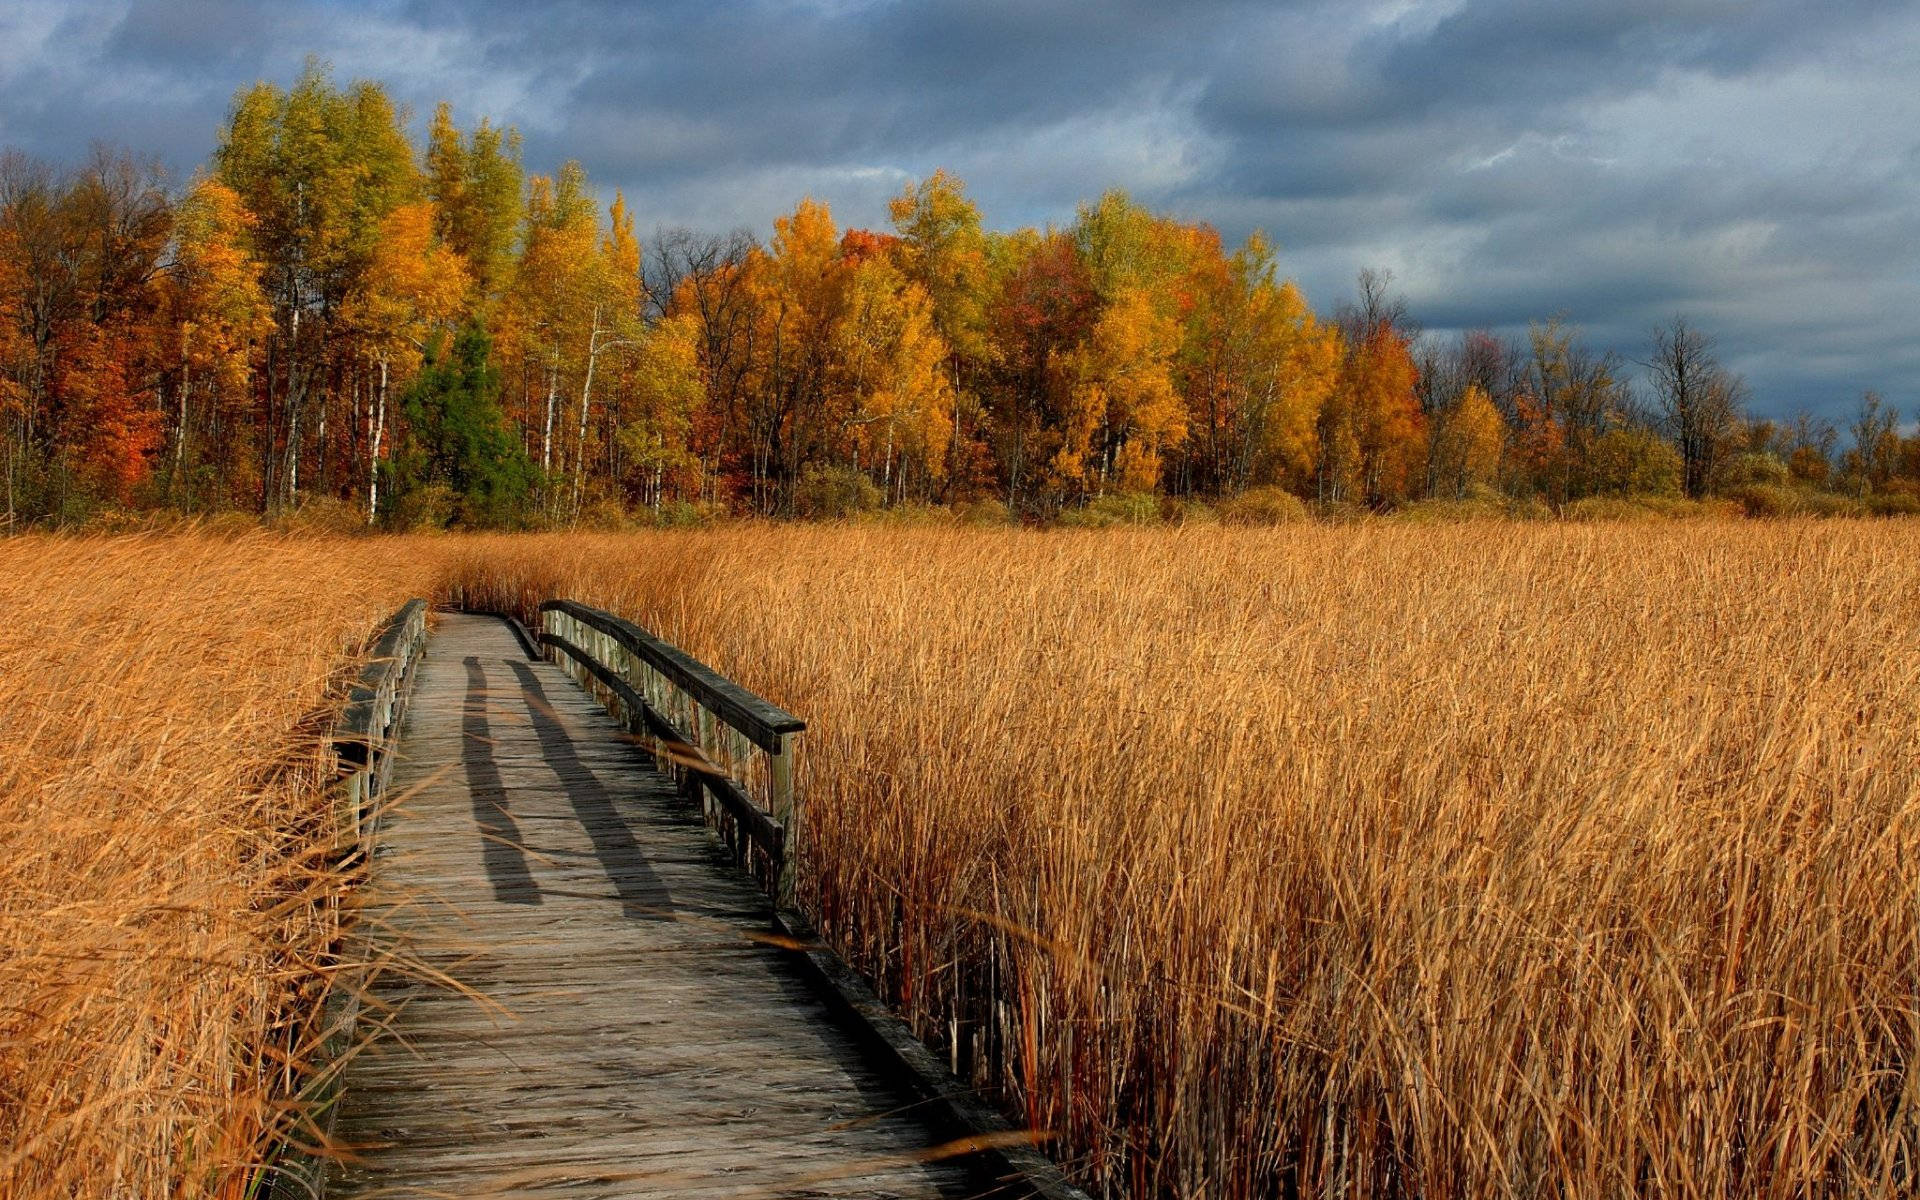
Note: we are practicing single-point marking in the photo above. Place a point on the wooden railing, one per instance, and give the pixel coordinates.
(364, 735)
(719, 741)
(363, 744)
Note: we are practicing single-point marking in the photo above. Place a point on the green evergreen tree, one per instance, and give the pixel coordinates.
(462, 463)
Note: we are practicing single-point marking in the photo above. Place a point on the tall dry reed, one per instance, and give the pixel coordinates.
(1480, 861)
(165, 909)
(1453, 862)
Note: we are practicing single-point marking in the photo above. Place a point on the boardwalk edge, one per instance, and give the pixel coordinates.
(950, 1105)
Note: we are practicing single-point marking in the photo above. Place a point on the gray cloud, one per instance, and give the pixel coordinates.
(1755, 164)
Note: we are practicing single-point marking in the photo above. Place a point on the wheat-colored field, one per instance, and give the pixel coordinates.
(1469, 861)
(164, 907)
(1479, 861)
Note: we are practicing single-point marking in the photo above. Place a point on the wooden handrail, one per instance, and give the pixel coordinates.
(363, 738)
(368, 724)
(764, 723)
(678, 751)
(679, 702)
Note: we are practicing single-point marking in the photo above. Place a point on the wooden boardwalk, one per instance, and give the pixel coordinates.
(631, 1031)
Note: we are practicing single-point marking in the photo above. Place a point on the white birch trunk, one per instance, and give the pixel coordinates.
(379, 421)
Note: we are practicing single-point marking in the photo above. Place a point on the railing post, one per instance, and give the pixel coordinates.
(785, 809)
(705, 736)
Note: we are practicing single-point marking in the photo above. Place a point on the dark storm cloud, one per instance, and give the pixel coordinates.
(1756, 165)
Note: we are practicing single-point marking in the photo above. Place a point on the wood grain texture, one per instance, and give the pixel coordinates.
(630, 1028)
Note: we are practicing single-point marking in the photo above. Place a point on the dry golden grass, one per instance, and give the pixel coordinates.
(1466, 861)
(1476, 861)
(163, 905)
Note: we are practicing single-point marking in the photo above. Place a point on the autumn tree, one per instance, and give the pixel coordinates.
(944, 249)
(613, 329)
(1874, 458)
(1045, 303)
(556, 312)
(1115, 384)
(704, 280)
(656, 430)
(1256, 369)
(1569, 396)
(321, 170)
(219, 316)
(797, 290)
(84, 348)
(894, 369)
(1376, 420)
(475, 182)
(1468, 441)
(1698, 400)
(414, 290)
(1123, 414)
(1633, 460)
(1373, 433)
(1809, 444)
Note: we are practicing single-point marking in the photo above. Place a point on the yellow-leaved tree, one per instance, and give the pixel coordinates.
(221, 314)
(1469, 438)
(892, 365)
(1256, 371)
(564, 307)
(666, 393)
(415, 286)
(1124, 413)
(945, 250)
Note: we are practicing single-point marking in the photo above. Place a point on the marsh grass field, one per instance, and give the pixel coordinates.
(1471, 860)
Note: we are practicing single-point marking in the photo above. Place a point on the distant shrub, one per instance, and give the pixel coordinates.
(1188, 512)
(229, 524)
(686, 514)
(984, 511)
(1832, 504)
(834, 493)
(910, 514)
(1764, 469)
(1119, 508)
(1264, 506)
(1429, 512)
(1341, 512)
(325, 514)
(1648, 508)
(421, 509)
(1894, 504)
(608, 515)
(1766, 499)
(1608, 508)
(1633, 462)
(1781, 500)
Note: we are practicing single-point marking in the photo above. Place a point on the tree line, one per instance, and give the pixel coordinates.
(330, 315)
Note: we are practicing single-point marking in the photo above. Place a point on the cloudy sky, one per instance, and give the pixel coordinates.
(1753, 165)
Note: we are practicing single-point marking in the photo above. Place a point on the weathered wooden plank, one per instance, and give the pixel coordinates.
(635, 1030)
